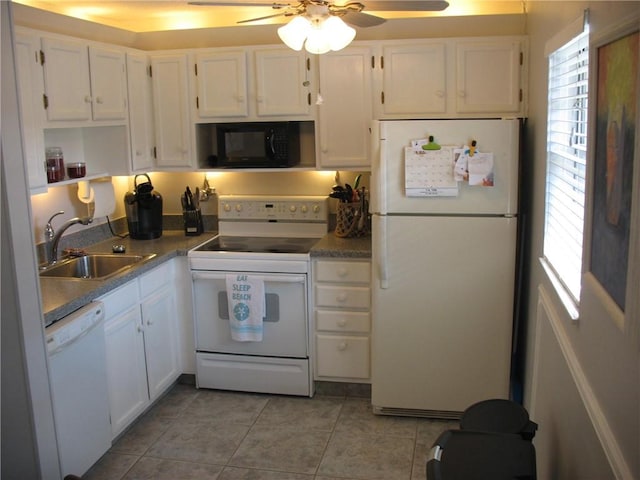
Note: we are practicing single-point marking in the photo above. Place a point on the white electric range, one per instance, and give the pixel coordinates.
(266, 237)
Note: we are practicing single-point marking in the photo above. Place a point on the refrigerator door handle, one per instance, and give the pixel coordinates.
(381, 260)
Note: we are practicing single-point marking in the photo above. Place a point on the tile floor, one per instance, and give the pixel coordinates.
(216, 435)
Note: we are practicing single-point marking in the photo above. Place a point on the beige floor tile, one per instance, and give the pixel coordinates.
(142, 434)
(233, 473)
(319, 413)
(356, 416)
(199, 440)
(282, 449)
(148, 468)
(174, 402)
(112, 466)
(367, 456)
(228, 407)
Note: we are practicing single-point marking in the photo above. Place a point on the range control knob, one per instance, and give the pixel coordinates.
(293, 208)
(238, 207)
(227, 207)
(304, 209)
(316, 209)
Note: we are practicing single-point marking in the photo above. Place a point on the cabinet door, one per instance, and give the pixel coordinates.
(171, 111)
(140, 112)
(66, 76)
(414, 79)
(222, 84)
(108, 83)
(126, 370)
(345, 114)
(160, 340)
(281, 82)
(30, 92)
(488, 76)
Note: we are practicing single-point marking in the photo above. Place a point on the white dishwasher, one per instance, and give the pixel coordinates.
(78, 377)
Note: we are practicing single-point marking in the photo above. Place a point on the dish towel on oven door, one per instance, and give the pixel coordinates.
(246, 299)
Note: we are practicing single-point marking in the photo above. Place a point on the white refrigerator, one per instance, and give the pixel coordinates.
(443, 273)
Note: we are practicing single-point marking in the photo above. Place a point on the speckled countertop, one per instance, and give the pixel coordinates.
(332, 246)
(60, 297)
(63, 296)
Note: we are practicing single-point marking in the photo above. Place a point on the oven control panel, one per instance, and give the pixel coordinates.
(297, 208)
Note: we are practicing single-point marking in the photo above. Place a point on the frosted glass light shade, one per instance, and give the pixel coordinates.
(317, 40)
(338, 33)
(294, 33)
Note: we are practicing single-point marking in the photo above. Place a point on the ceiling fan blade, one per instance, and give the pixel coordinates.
(242, 3)
(359, 19)
(264, 18)
(405, 5)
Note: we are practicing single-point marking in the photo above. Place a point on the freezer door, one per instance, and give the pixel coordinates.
(442, 320)
(500, 137)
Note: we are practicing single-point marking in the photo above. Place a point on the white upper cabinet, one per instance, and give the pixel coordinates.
(222, 89)
(108, 83)
(83, 83)
(282, 82)
(343, 133)
(413, 78)
(251, 84)
(141, 127)
(488, 76)
(171, 111)
(30, 98)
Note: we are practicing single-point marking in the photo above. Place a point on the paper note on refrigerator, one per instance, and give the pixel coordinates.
(429, 173)
(480, 168)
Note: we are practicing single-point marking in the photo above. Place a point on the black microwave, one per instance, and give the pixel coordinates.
(256, 145)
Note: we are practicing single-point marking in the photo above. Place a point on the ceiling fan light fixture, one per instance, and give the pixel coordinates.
(338, 33)
(294, 33)
(317, 40)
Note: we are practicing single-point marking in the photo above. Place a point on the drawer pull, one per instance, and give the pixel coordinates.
(342, 322)
(342, 346)
(342, 272)
(342, 297)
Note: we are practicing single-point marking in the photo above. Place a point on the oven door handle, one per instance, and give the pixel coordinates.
(265, 278)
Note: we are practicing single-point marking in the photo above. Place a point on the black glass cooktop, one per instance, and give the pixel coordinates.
(258, 245)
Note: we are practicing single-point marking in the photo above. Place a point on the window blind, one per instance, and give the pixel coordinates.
(566, 161)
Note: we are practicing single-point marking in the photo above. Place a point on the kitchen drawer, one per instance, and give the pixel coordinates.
(342, 356)
(343, 321)
(120, 299)
(343, 272)
(156, 278)
(342, 297)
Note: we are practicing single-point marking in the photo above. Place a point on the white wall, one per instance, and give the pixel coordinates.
(582, 378)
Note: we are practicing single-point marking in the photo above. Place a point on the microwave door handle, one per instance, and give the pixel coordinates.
(271, 143)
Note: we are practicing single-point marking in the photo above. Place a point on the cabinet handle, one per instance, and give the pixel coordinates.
(99, 100)
(342, 322)
(439, 94)
(461, 93)
(342, 272)
(260, 99)
(140, 329)
(87, 99)
(240, 98)
(342, 346)
(149, 322)
(342, 297)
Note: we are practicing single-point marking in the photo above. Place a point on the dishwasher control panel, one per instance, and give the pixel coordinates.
(73, 326)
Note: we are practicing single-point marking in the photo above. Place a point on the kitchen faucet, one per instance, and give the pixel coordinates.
(52, 238)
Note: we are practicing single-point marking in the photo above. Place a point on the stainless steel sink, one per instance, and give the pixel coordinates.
(96, 266)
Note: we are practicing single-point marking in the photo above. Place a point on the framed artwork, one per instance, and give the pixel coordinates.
(615, 138)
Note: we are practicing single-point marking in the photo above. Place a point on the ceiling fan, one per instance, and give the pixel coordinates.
(350, 12)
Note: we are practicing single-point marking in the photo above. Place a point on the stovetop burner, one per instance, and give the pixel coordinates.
(258, 244)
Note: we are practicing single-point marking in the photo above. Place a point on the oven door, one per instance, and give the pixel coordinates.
(284, 327)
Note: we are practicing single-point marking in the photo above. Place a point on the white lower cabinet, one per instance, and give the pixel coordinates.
(142, 344)
(342, 302)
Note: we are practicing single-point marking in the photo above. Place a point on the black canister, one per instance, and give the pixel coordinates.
(143, 207)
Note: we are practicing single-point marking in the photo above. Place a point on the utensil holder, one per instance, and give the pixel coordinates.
(192, 222)
(351, 220)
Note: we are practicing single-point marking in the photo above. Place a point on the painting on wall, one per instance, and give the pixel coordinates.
(616, 116)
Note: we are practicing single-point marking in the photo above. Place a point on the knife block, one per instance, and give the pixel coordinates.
(192, 222)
